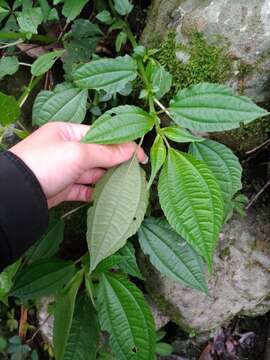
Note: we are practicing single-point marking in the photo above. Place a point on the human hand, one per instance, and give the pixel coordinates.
(64, 166)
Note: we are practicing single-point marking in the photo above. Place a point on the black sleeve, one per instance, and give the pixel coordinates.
(23, 208)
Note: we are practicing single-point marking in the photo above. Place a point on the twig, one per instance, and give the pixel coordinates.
(62, 32)
(258, 147)
(25, 64)
(23, 320)
(11, 44)
(258, 195)
(38, 329)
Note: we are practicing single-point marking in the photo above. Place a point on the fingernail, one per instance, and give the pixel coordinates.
(145, 160)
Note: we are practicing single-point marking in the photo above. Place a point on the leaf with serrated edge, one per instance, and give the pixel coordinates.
(29, 19)
(9, 109)
(180, 135)
(129, 265)
(109, 263)
(212, 107)
(192, 201)
(110, 75)
(157, 156)
(8, 65)
(84, 331)
(68, 105)
(223, 164)
(63, 315)
(72, 9)
(120, 202)
(44, 277)
(48, 244)
(120, 124)
(161, 80)
(124, 313)
(170, 254)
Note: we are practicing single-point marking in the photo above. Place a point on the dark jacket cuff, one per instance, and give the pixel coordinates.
(23, 208)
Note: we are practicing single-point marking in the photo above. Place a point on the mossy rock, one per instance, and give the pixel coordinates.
(199, 61)
(238, 286)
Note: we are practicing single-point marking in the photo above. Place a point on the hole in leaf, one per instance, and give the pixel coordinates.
(135, 350)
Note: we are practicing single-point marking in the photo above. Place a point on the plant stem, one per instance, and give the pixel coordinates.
(152, 100)
(22, 37)
(71, 212)
(33, 82)
(11, 44)
(162, 107)
(23, 127)
(25, 64)
(166, 141)
(63, 31)
(130, 36)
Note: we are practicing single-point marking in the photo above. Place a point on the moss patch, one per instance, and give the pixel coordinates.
(206, 62)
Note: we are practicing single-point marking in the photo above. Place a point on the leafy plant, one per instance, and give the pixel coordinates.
(198, 180)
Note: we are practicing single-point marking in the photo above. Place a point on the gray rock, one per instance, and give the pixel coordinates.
(239, 285)
(244, 25)
(46, 321)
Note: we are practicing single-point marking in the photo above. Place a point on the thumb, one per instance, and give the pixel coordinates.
(106, 156)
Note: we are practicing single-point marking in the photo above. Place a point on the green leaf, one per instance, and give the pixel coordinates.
(80, 44)
(157, 156)
(45, 62)
(118, 24)
(6, 280)
(223, 164)
(29, 19)
(180, 135)
(120, 41)
(82, 28)
(48, 244)
(68, 105)
(84, 331)
(120, 124)
(89, 287)
(44, 277)
(72, 9)
(63, 315)
(161, 81)
(123, 7)
(124, 313)
(129, 265)
(4, 10)
(109, 263)
(192, 201)
(212, 107)
(9, 109)
(110, 75)
(8, 65)
(164, 349)
(45, 8)
(104, 17)
(170, 254)
(120, 202)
